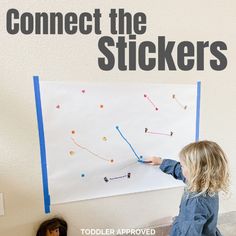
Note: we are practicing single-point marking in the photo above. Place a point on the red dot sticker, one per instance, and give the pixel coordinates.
(58, 107)
(101, 106)
(73, 132)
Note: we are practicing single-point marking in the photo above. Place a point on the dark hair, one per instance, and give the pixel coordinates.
(52, 224)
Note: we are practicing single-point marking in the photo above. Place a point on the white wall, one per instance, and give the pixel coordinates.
(75, 58)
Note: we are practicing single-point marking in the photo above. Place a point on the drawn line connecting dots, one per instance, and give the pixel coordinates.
(146, 96)
(92, 153)
(180, 104)
(167, 134)
(118, 129)
(106, 179)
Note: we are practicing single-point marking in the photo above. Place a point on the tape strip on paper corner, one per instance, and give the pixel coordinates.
(42, 144)
(198, 111)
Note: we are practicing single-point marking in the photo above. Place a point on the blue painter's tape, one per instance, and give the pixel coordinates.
(198, 111)
(42, 144)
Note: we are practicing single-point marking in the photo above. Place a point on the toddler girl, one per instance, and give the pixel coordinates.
(203, 167)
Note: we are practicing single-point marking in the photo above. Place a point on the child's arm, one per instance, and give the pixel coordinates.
(169, 166)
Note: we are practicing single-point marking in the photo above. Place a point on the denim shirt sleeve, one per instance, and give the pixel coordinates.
(173, 168)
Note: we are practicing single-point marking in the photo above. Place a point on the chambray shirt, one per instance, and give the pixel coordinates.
(197, 213)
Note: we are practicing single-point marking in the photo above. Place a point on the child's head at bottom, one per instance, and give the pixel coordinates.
(53, 227)
(205, 167)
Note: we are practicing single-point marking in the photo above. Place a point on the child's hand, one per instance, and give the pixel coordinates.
(155, 160)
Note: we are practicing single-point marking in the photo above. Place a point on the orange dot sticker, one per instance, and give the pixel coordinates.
(72, 153)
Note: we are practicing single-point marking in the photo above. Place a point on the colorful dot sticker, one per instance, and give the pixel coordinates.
(72, 153)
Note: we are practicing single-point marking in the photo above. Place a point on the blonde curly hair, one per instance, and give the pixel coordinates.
(207, 166)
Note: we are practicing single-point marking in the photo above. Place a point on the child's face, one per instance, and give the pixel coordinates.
(54, 232)
(184, 169)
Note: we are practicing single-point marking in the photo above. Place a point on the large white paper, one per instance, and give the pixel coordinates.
(87, 157)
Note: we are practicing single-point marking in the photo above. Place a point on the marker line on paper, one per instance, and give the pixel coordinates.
(180, 104)
(149, 99)
(91, 152)
(158, 133)
(118, 129)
